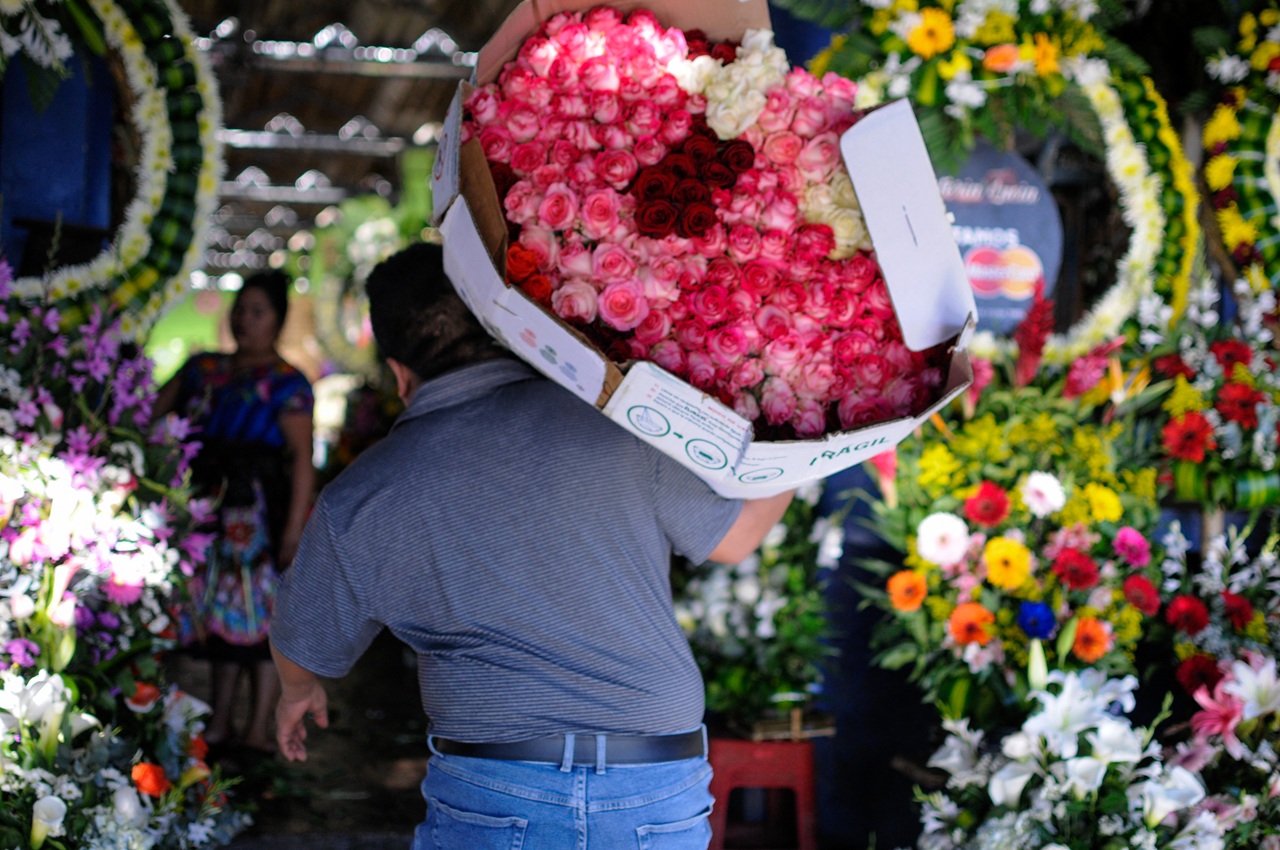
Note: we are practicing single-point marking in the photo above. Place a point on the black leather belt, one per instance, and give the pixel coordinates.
(618, 749)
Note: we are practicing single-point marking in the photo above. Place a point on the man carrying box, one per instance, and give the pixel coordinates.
(520, 543)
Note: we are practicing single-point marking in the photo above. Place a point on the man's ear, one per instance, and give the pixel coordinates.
(407, 380)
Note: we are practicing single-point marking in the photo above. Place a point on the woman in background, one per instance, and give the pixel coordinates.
(252, 414)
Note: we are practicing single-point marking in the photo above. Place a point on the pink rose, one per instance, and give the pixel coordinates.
(521, 202)
(899, 394)
(691, 333)
(614, 137)
(1132, 547)
(483, 104)
(801, 83)
(574, 259)
(575, 301)
(810, 117)
(666, 93)
(537, 53)
(553, 26)
(783, 147)
(600, 211)
(710, 303)
(631, 90)
(611, 262)
(546, 176)
(563, 74)
(649, 150)
(760, 278)
(598, 74)
(815, 241)
(746, 373)
(861, 271)
(616, 168)
(655, 328)
(841, 92)
(777, 401)
(744, 243)
(676, 126)
(743, 208)
(602, 19)
(570, 106)
(809, 419)
(669, 355)
(605, 106)
(844, 309)
(783, 353)
(700, 369)
(496, 143)
(582, 174)
(726, 345)
(780, 213)
(711, 244)
(581, 134)
(723, 271)
(778, 110)
(775, 246)
(876, 302)
(622, 306)
(661, 280)
(644, 117)
(868, 372)
(746, 406)
(849, 346)
(791, 296)
(574, 40)
(543, 243)
(816, 379)
(774, 321)
(858, 410)
(743, 304)
(563, 154)
(527, 156)
(559, 208)
(820, 157)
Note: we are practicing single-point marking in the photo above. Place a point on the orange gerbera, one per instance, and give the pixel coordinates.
(907, 590)
(1093, 639)
(969, 622)
(1000, 58)
(150, 779)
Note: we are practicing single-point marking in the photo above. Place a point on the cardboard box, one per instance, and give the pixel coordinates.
(905, 216)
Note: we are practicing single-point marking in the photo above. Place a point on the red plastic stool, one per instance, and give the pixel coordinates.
(763, 764)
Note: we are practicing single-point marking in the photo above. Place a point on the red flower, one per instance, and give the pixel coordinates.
(197, 747)
(1142, 594)
(1187, 614)
(1076, 569)
(989, 506)
(1171, 366)
(1229, 352)
(1238, 610)
(1188, 436)
(150, 779)
(538, 287)
(1030, 335)
(521, 262)
(1198, 671)
(1237, 403)
(656, 218)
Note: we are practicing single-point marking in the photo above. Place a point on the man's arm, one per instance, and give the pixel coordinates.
(301, 693)
(757, 517)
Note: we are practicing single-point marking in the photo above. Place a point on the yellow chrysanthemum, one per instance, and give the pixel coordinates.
(939, 470)
(1219, 171)
(1269, 17)
(1126, 624)
(956, 64)
(1008, 563)
(1248, 32)
(982, 440)
(1183, 398)
(939, 608)
(1240, 375)
(1075, 511)
(1183, 650)
(1046, 55)
(1258, 280)
(933, 35)
(1104, 504)
(1089, 449)
(1257, 628)
(996, 29)
(1037, 434)
(1262, 57)
(1234, 228)
(1140, 483)
(1223, 126)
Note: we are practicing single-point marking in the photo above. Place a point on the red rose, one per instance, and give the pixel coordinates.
(503, 178)
(653, 183)
(701, 148)
(1238, 403)
(656, 218)
(697, 42)
(695, 220)
(197, 748)
(1198, 671)
(717, 175)
(150, 779)
(1187, 614)
(680, 164)
(1171, 366)
(1238, 609)
(538, 287)
(689, 190)
(521, 262)
(1075, 569)
(989, 506)
(738, 155)
(1142, 594)
(1188, 436)
(726, 52)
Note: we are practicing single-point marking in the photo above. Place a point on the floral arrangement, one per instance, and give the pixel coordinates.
(1024, 531)
(758, 628)
(1219, 421)
(685, 203)
(95, 534)
(1242, 146)
(1075, 776)
(176, 114)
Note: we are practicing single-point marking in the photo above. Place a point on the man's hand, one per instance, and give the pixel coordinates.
(302, 693)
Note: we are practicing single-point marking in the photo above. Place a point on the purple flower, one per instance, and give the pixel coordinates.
(6, 277)
(80, 439)
(108, 620)
(58, 345)
(26, 413)
(51, 320)
(22, 651)
(20, 333)
(84, 619)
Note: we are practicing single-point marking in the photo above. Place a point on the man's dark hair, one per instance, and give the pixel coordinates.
(418, 318)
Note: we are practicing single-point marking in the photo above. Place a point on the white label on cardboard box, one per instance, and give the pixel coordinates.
(799, 461)
(517, 322)
(907, 220)
(689, 425)
(444, 173)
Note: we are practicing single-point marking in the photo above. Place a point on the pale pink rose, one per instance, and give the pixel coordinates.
(810, 117)
(670, 44)
(616, 168)
(622, 305)
(559, 209)
(563, 74)
(726, 345)
(642, 67)
(676, 126)
(753, 136)
(649, 150)
(852, 344)
(600, 213)
(816, 378)
(602, 19)
(821, 293)
(790, 295)
(562, 153)
(780, 213)
(661, 280)
(644, 118)
(696, 104)
(775, 246)
(598, 74)
(581, 175)
(782, 148)
(573, 39)
(746, 373)
(496, 143)
(820, 157)
(777, 401)
(612, 262)
(521, 202)
(581, 134)
(801, 83)
(545, 244)
(746, 406)
(546, 176)
(710, 304)
(527, 156)
(691, 333)
(711, 244)
(760, 278)
(868, 372)
(743, 305)
(605, 106)
(774, 322)
(744, 243)
(858, 410)
(630, 90)
(669, 355)
(614, 137)
(700, 369)
(537, 53)
(778, 110)
(483, 104)
(575, 300)
(655, 328)
(666, 93)
(573, 260)
(570, 106)
(790, 179)
(810, 418)
(840, 91)
(555, 25)
(784, 353)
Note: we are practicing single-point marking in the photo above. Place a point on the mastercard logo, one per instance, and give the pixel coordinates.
(1012, 273)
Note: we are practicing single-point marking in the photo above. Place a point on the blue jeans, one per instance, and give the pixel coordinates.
(490, 804)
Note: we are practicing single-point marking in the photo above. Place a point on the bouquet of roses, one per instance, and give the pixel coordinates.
(684, 203)
(95, 520)
(758, 628)
(1221, 418)
(1076, 776)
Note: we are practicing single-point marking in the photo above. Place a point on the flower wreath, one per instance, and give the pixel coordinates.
(176, 113)
(981, 68)
(1242, 143)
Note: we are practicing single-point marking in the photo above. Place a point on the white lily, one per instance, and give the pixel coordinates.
(46, 820)
(1257, 687)
(1173, 791)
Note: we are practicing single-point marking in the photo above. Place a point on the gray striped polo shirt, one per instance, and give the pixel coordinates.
(519, 541)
